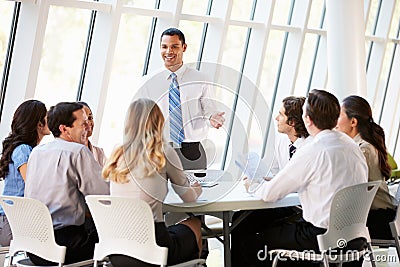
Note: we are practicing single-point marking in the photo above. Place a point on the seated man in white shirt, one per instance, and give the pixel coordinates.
(292, 135)
(327, 164)
(60, 174)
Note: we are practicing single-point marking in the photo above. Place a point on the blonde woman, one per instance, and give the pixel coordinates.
(141, 168)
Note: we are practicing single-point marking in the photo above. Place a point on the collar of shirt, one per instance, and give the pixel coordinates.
(299, 142)
(358, 139)
(322, 134)
(59, 139)
(179, 72)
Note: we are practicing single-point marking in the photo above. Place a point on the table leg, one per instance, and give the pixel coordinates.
(227, 239)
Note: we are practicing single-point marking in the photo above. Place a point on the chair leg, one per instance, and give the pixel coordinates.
(325, 260)
(396, 241)
(10, 260)
(395, 235)
(371, 255)
(275, 261)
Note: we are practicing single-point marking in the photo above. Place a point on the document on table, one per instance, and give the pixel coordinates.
(252, 166)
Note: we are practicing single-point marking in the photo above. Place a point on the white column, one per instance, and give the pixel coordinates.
(346, 47)
(105, 35)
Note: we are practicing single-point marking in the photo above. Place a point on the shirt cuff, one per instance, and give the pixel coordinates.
(207, 118)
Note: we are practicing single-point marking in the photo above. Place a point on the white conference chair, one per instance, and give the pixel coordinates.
(32, 230)
(395, 230)
(348, 219)
(125, 226)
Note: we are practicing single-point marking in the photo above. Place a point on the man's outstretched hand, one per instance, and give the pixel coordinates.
(217, 119)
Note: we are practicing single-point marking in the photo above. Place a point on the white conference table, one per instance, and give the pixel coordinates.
(226, 197)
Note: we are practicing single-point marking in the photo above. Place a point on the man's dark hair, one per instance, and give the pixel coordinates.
(62, 114)
(83, 103)
(294, 110)
(172, 32)
(323, 108)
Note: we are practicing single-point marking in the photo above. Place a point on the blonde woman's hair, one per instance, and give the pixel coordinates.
(141, 153)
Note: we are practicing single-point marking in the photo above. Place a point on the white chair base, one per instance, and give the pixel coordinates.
(27, 263)
(194, 263)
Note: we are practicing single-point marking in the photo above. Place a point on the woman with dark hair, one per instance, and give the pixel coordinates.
(28, 127)
(98, 152)
(356, 121)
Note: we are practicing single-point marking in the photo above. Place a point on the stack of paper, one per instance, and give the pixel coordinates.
(252, 166)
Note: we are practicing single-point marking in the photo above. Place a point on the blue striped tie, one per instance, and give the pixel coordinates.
(175, 112)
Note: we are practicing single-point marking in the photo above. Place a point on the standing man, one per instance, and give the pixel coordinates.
(186, 100)
(330, 162)
(60, 174)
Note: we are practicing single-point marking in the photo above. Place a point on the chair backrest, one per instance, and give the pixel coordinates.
(32, 228)
(396, 222)
(125, 226)
(397, 196)
(348, 216)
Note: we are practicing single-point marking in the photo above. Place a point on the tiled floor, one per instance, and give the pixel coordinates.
(384, 257)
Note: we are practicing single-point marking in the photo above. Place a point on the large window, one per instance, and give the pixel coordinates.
(193, 42)
(126, 74)
(62, 55)
(6, 14)
(262, 50)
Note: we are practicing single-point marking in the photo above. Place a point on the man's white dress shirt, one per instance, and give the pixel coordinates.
(330, 162)
(281, 152)
(197, 99)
